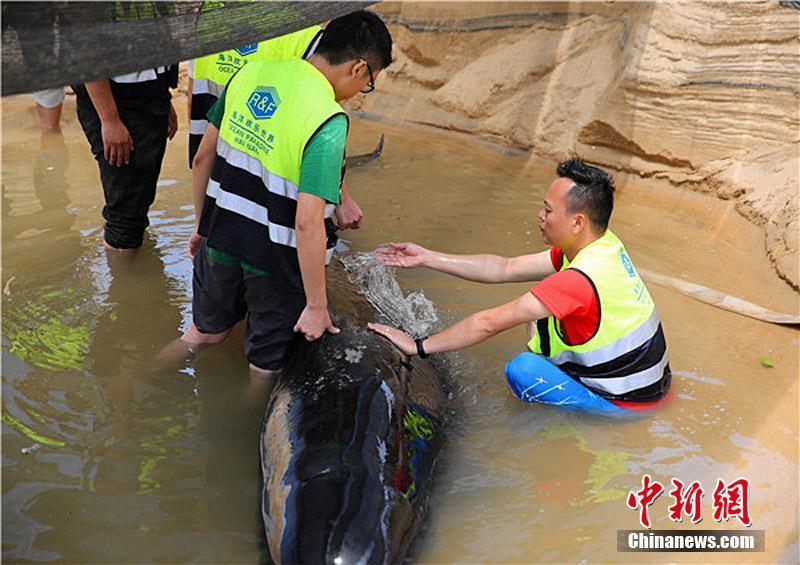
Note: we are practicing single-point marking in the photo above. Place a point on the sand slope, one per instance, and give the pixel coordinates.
(704, 96)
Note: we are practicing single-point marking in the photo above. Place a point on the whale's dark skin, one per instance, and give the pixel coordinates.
(350, 438)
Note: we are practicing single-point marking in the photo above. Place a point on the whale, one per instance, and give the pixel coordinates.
(350, 439)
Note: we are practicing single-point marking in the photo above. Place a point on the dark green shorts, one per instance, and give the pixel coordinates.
(225, 294)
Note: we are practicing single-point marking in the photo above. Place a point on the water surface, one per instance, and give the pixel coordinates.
(105, 460)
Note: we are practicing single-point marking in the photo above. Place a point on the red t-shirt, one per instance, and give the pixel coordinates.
(571, 298)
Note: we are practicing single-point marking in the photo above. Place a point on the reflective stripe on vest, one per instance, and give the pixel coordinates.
(139, 76)
(272, 109)
(621, 385)
(207, 86)
(628, 320)
(613, 350)
(241, 160)
(279, 234)
(256, 212)
(198, 127)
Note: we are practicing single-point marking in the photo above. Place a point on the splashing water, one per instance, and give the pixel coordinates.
(414, 313)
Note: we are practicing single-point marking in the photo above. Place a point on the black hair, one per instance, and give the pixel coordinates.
(593, 191)
(358, 35)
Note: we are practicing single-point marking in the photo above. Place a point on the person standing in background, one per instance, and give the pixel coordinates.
(127, 120)
(48, 104)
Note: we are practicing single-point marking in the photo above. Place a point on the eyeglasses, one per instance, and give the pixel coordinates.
(371, 84)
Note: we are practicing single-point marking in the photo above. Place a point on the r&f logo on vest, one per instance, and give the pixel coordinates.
(248, 49)
(263, 102)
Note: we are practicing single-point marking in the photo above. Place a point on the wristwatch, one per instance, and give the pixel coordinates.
(421, 350)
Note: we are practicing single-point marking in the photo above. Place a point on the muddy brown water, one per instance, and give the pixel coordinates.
(105, 461)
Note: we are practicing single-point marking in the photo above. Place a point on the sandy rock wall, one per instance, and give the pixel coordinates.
(705, 96)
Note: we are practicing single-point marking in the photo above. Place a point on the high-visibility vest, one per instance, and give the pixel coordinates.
(147, 75)
(272, 110)
(628, 351)
(212, 72)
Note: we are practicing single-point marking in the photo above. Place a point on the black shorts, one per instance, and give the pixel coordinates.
(224, 294)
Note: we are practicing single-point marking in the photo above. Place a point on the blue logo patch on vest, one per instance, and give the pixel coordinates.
(248, 49)
(627, 263)
(263, 102)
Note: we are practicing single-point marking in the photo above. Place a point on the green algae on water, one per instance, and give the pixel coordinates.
(30, 433)
(605, 465)
(46, 333)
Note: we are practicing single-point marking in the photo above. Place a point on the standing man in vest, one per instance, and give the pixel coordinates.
(266, 179)
(127, 121)
(599, 345)
(208, 75)
(207, 79)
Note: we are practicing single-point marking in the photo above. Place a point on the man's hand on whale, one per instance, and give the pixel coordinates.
(401, 339)
(473, 329)
(315, 319)
(313, 322)
(482, 268)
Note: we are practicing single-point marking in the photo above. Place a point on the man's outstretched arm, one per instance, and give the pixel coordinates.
(471, 330)
(484, 268)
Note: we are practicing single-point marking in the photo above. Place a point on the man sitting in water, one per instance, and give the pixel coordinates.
(599, 344)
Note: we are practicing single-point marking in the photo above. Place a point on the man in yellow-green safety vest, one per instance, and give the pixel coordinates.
(207, 79)
(208, 75)
(598, 345)
(266, 179)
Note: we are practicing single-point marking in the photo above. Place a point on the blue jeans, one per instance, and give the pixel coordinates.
(533, 378)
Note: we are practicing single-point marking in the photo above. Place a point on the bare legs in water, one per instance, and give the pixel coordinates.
(190, 343)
